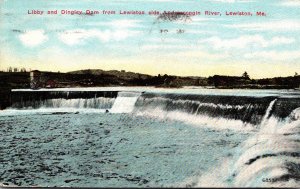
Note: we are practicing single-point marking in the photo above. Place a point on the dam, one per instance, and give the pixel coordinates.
(143, 136)
(246, 107)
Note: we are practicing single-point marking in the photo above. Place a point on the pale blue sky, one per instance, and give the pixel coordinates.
(229, 45)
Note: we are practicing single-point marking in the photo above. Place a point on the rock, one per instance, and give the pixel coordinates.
(70, 180)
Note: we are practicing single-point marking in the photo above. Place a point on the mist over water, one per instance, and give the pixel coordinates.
(185, 138)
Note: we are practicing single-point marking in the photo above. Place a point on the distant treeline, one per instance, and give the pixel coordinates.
(245, 82)
(11, 69)
(99, 78)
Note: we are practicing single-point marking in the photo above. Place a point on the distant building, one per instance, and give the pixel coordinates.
(50, 84)
(35, 74)
(221, 80)
(35, 78)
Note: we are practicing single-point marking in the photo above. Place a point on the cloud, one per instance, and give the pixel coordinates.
(201, 55)
(246, 42)
(120, 35)
(138, 1)
(168, 0)
(33, 38)
(74, 37)
(234, 1)
(281, 25)
(118, 24)
(275, 55)
(202, 32)
(203, 19)
(291, 3)
(281, 41)
(200, 21)
(124, 23)
(120, 29)
(160, 47)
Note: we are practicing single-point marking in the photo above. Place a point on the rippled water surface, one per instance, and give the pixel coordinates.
(98, 149)
(147, 137)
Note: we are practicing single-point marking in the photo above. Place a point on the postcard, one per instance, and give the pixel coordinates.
(149, 93)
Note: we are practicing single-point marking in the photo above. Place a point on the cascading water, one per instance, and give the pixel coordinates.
(268, 158)
(125, 102)
(30, 99)
(268, 112)
(221, 112)
(89, 103)
(271, 156)
(244, 109)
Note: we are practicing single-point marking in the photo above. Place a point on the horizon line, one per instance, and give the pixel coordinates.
(162, 74)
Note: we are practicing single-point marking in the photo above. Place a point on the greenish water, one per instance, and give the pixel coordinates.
(108, 150)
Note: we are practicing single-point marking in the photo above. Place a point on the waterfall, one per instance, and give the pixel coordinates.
(268, 158)
(125, 102)
(88, 103)
(268, 112)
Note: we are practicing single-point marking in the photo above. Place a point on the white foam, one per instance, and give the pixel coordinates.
(125, 102)
(97, 103)
(268, 112)
(269, 167)
(265, 155)
(163, 100)
(216, 177)
(184, 90)
(270, 140)
(12, 112)
(197, 120)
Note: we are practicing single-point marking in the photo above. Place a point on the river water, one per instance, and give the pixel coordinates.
(147, 137)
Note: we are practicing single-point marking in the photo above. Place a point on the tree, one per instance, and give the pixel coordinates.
(23, 70)
(245, 75)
